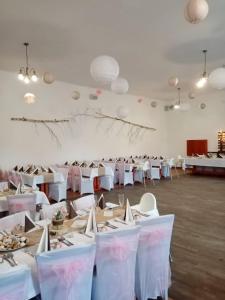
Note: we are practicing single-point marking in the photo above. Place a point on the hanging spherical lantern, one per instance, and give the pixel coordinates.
(48, 78)
(202, 105)
(120, 86)
(196, 11)
(76, 95)
(191, 95)
(154, 104)
(122, 112)
(104, 69)
(173, 81)
(217, 78)
(29, 98)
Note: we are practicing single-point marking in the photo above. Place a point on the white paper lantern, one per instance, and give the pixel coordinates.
(104, 69)
(196, 11)
(154, 104)
(48, 78)
(173, 81)
(217, 79)
(191, 95)
(122, 112)
(202, 105)
(76, 95)
(29, 98)
(120, 86)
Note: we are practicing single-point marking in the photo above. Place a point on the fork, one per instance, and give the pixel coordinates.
(11, 256)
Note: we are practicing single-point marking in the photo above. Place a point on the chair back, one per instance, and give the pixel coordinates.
(14, 284)
(85, 202)
(10, 222)
(115, 264)
(148, 202)
(152, 267)
(48, 211)
(64, 171)
(155, 163)
(22, 202)
(66, 274)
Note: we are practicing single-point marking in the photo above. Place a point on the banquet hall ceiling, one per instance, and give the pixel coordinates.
(150, 39)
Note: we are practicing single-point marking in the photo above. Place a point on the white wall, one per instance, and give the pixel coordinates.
(196, 124)
(22, 143)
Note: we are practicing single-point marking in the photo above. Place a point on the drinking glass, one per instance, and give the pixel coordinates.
(121, 200)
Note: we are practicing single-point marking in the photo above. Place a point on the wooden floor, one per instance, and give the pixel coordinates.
(198, 245)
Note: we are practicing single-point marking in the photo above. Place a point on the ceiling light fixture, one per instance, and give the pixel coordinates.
(177, 105)
(27, 74)
(203, 80)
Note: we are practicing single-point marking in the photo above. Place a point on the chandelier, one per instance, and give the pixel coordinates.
(27, 74)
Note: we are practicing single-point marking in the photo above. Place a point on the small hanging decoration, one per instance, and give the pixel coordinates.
(140, 100)
(104, 69)
(120, 86)
(76, 95)
(122, 112)
(191, 95)
(154, 104)
(48, 78)
(217, 78)
(173, 81)
(196, 11)
(202, 105)
(29, 98)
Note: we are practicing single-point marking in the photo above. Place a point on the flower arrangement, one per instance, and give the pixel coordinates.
(59, 217)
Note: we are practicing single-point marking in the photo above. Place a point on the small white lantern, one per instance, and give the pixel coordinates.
(76, 95)
(104, 69)
(120, 86)
(202, 105)
(173, 81)
(48, 78)
(217, 78)
(196, 11)
(191, 95)
(154, 104)
(122, 112)
(29, 98)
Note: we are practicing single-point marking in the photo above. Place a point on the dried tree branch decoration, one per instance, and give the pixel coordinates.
(45, 123)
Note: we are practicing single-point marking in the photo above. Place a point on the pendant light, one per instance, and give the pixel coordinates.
(27, 74)
(203, 80)
(177, 105)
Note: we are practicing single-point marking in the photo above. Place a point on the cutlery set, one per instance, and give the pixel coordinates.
(9, 257)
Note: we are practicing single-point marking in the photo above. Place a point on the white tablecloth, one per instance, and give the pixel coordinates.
(3, 186)
(32, 180)
(40, 199)
(205, 162)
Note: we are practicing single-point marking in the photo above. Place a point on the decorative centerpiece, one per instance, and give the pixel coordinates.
(59, 218)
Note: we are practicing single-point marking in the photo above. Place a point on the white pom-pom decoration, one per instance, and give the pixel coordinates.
(217, 79)
(196, 11)
(29, 98)
(173, 81)
(120, 86)
(104, 69)
(48, 78)
(122, 112)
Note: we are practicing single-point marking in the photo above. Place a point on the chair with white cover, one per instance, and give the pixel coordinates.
(66, 274)
(115, 264)
(147, 205)
(167, 168)
(125, 174)
(14, 283)
(10, 222)
(85, 202)
(107, 180)
(58, 190)
(22, 202)
(152, 266)
(48, 211)
(155, 169)
(85, 184)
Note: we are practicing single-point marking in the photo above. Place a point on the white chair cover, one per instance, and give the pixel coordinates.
(58, 191)
(152, 267)
(10, 222)
(48, 211)
(14, 284)
(147, 205)
(86, 184)
(139, 176)
(22, 202)
(66, 274)
(155, 169)
(115, 264)
(85, 202)
(125, 174)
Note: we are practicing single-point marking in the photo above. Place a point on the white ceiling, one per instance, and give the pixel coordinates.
(150, 39)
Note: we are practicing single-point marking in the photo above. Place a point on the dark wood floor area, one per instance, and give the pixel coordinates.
(198, 245)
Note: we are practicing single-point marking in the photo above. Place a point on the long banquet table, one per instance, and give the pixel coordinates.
(214, 166)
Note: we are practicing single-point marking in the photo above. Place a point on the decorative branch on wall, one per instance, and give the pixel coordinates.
(45, 123)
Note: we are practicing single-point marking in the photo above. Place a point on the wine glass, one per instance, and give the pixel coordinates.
(121, 200)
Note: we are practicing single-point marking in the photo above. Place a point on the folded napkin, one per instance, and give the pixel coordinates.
(21, 169)
(75, 163)
(128, 216)
(71, 210)
(12, 185)
(92, 165)
(44, 169)
(111, 205)
(29, 224)
(66, 163)
(28, 170)
(44, 244)
(101, 202)
(35, 171)
(83, 165)
(15, 168)
(18, 189)
(91, 224)
(101, 165)
(51, 170)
